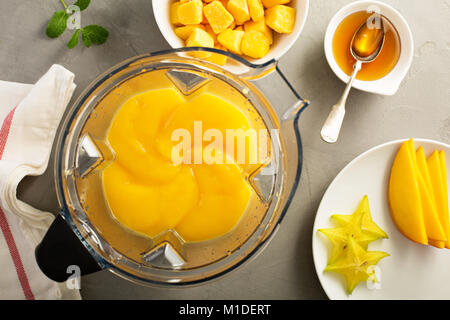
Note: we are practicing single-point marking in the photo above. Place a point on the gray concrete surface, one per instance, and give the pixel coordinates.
(285, 269)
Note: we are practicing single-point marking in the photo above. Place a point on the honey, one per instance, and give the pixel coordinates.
(382, 65)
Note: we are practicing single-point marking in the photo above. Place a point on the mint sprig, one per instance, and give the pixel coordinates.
(91, 34)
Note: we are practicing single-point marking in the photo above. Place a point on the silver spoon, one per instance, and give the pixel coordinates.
(365, 47)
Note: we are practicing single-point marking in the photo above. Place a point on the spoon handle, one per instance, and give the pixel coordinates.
(332, 126)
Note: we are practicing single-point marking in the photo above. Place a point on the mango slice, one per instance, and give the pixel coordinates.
(444, 183)
(436, 243)
(190, 12)
(355, 264)
(433, 225)
(231, 39)
(439, 186)
(239, 10)
(260, 26)
(281, 18)
(217, 16)
(256, 9)
(404, 196)
(425, 191)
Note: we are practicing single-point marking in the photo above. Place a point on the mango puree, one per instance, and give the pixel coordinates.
(149, 193)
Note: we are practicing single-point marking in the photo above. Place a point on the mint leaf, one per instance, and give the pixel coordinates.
(82, 4)
(57, 24)
(94, 34)
(86, 39)
(74, 40)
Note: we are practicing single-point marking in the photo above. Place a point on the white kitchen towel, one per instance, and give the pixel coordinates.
(29, 117)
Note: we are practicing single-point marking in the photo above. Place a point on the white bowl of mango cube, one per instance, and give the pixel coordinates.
(258, 30)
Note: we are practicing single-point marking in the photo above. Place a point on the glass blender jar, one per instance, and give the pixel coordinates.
(86, 234)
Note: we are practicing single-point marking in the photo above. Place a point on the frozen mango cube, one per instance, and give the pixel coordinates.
(218, 17)
(271, 3)
(174, 13)
(255, 44)
(256, 9)
(231, 39)
(281, 18)
(200, 38)
(260, 26)
(217, 58)
(239, 10)
(211, 32)
(190, 12)
(185, 31)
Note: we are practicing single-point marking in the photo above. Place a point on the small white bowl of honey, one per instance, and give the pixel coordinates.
(385, 74)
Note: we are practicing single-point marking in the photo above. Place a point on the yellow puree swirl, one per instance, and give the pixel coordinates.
(148, 193)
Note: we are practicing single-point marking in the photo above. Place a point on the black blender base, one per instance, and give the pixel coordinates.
(61, 252)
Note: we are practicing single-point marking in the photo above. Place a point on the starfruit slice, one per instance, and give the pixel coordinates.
(339, 236)
(355, 264)
(361, 220)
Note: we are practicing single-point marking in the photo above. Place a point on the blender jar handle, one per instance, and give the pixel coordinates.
(288, 105)
(61, 252)
(280, 93)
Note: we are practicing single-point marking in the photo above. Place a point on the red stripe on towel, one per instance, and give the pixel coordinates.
(15, 255)
(4, 131)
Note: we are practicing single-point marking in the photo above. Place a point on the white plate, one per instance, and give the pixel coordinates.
(412, 271)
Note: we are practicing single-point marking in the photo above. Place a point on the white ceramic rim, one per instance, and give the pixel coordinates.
(389, 84)
(161, 12)
(345, 169)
